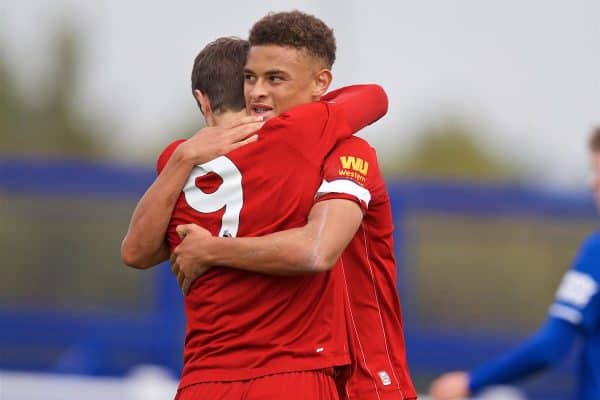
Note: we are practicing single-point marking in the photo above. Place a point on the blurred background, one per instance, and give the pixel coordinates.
(484, 150)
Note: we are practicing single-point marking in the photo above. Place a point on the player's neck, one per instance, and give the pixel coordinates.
(227, 117)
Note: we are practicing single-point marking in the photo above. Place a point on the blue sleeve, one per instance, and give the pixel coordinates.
(575, 309)
(548, 346)
(577, 298)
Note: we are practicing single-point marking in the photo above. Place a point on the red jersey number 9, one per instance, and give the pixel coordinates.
(228, 195)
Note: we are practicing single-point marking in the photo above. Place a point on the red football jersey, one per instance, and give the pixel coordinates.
(379, 370)
(242, 325)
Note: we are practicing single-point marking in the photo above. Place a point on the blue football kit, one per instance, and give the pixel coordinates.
(574, 314)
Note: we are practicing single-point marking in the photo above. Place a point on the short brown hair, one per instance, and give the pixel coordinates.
(297, 30)
(218, 72)
(595, 140)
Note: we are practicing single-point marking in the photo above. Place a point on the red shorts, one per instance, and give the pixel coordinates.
(304, 385)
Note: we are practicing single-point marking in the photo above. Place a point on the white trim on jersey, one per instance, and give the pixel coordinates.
(379, 311)
(344, 186)
(567, 313)
(360, 345)
(577, 289)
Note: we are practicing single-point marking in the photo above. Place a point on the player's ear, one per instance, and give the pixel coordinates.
(323, 79)
(203, 102)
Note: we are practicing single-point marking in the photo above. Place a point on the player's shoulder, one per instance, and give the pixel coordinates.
(591, 244)
(316, 110)
(355, 157)
(166, 154)
(588, 259)
(356, 142)
(357, 146)
(301, 119)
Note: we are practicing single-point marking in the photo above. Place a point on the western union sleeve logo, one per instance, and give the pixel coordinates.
(355, 164)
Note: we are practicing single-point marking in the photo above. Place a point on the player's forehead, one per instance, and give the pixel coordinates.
(267, 58)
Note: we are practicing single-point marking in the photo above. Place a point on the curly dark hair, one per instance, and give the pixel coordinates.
(218, 72)
(297, 30)
(595, 140)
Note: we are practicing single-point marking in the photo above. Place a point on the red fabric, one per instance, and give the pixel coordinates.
(243, 325)
(353, 101)
(379, 369)
(309, 385)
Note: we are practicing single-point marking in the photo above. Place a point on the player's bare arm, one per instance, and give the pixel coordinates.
(312, 248)
(144, 244)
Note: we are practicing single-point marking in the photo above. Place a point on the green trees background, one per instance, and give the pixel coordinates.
(51, 125)
(449, 148)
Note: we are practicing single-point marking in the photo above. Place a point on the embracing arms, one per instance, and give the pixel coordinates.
(312, 248)
(144, 244)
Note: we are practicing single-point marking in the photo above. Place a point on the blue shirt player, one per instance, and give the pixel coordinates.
(574, 314)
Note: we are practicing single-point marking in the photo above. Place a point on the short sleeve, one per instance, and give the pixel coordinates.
(166, 155)
(578, 299)
(349, 172)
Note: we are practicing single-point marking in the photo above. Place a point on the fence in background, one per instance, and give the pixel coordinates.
(478, 265)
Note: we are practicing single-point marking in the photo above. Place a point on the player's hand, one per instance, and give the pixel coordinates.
(189, 261)
(450, 386)
(214, 141)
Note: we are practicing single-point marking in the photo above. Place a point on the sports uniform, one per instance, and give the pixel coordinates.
(574, 313)
(243, 325)
(379, 369)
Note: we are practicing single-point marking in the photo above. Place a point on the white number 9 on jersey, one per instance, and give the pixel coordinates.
(228, 195)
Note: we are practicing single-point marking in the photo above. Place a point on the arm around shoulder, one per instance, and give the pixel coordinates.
(144, 244)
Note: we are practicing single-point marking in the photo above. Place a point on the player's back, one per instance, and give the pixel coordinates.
(240, 324)
(379, 367)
